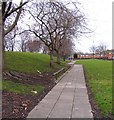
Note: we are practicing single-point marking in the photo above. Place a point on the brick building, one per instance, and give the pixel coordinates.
(109, 54)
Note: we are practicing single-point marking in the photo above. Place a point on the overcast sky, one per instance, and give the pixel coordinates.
(99, 18)
(99, 15)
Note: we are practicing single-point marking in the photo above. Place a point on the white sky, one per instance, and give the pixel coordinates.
(99, 16)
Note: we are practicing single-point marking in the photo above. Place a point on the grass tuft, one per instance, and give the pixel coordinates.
(21, 88)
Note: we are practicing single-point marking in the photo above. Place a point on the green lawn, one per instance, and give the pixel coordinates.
(29, 62)
(99, 76)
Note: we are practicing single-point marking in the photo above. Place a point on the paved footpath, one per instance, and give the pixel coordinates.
(68, 99)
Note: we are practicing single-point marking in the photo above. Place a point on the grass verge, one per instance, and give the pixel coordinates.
(99, 76)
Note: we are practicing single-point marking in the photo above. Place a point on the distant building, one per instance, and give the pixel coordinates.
(108, 54)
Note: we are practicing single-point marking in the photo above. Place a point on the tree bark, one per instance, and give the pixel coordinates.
(58, 58)
(51, 59)
(1, 45)
(2, 34)
(1, 62)
(12, 47)
(64, 58)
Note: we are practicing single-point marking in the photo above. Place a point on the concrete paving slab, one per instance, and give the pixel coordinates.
(45, 106)
(68, 99)
(81, 92)
(82, 113)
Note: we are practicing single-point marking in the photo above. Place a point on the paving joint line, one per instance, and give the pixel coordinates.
(57, 100)
(64, 74)
(73, 102)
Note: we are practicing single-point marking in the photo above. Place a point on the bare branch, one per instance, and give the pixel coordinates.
(18, 8)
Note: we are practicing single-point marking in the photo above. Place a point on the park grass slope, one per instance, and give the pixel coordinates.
(29, 62)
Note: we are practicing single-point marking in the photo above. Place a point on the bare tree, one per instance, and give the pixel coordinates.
(24, 38)
(34, 46)
(45, 49)
(101, 49)
(69, 24)
(10, 40)
(8, 9)
(66, 49)
(46, 23)
(93, 49)
(53, 22)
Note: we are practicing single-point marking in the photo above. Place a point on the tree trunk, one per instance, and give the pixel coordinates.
(93, 55)
(64, 57)
(3, 50)
(58, 58)
(1, 59)
(2, 47)
(51, 59)
(12, 48)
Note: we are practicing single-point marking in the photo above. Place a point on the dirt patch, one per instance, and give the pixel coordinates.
(29, 78)
(19, 105)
